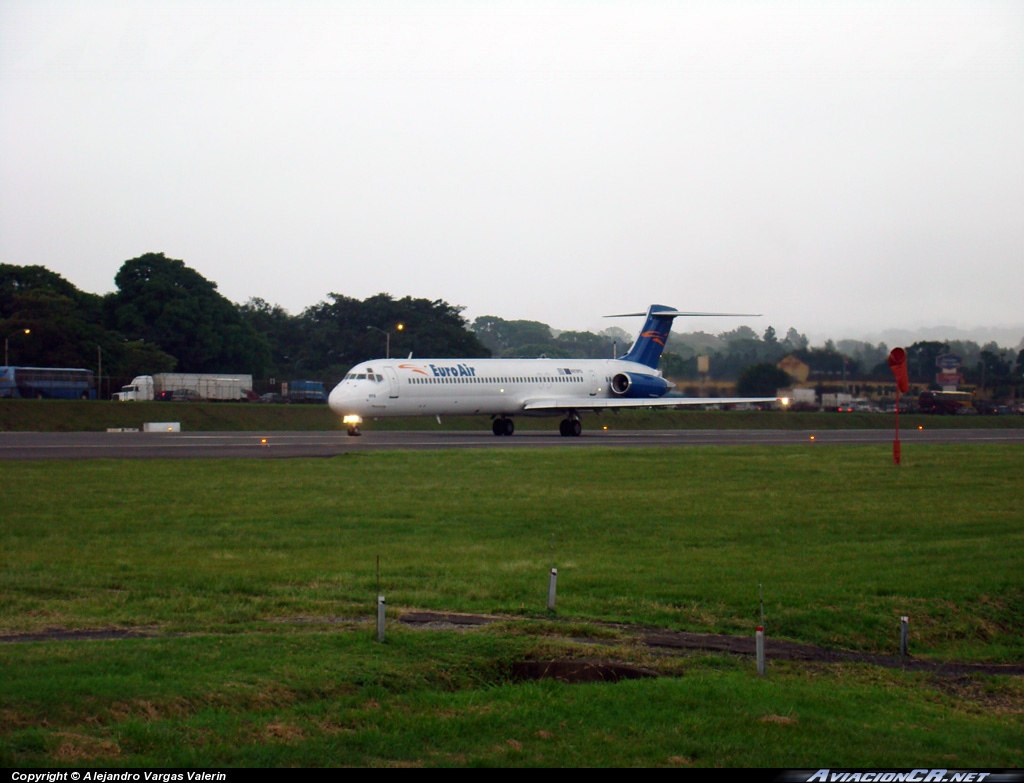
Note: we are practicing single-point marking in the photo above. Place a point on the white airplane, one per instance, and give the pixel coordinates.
(503, 388)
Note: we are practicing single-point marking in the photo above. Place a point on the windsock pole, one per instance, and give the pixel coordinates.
(896, 442)
(898, 365)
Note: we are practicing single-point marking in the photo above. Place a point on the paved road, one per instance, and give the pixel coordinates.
(135, 445)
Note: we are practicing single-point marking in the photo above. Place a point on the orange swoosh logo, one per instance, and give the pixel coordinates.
(658, 337)
(414, 368)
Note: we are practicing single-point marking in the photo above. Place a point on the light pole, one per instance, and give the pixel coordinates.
(7, 339)
(387, 335)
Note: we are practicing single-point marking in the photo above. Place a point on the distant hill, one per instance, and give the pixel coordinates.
(1004, 337)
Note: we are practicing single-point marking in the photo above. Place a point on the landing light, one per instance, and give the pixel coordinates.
(352, 419)
(784, 401)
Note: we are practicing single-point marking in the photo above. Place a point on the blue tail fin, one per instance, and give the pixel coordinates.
(648, 347)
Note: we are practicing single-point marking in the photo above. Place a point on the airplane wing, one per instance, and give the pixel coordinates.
(605, 403)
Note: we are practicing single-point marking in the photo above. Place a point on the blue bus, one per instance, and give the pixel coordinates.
(58, 383)
(306, 391)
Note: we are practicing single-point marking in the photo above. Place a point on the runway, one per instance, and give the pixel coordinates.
(232, 445)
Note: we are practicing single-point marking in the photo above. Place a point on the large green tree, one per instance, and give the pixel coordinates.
(586, 345)
(762, 380)
(995, 366)
(17, 281)
(921, 358)
(344, 331)
(499, 335)
(827, 361)
(291, 356)
(66, 328)
(162, 301)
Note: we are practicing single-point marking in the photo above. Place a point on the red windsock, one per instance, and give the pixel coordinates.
(898, 365)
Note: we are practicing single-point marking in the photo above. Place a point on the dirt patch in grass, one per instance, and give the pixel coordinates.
(578, 671)
(65, 635)
(662, 641)
(77, 748)
(782, 719)
(278, 731)
(794, 651)
(741, 645)
(969, 689)
(439, 620)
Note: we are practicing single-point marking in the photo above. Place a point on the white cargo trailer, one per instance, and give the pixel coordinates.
(186, 386)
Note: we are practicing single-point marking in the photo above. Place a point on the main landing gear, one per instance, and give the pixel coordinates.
(570, 428)
(503, 426)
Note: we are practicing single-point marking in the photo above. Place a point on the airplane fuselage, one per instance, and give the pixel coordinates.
(503, 388)
(496, 387)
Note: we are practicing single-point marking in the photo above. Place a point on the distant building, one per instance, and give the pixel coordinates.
(797, 370)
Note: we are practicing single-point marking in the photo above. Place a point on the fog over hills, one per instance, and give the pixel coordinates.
(841, 167)
(1003, 336)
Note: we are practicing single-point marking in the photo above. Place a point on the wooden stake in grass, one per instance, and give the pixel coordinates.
(553, 578)
(904, 632)
(759, 641)
(760, 651)
(380, 606)
(760, 595)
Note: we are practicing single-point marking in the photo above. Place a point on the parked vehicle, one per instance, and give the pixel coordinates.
(58, 383)
(990, 408)
(306, 391)
(180, 386)
(946, 402)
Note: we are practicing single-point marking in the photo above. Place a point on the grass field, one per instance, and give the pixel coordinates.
(257, 578)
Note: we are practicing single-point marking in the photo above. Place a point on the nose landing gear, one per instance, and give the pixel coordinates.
(352, 423)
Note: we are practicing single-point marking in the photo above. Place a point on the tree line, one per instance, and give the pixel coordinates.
(164, 316)
(750, 359)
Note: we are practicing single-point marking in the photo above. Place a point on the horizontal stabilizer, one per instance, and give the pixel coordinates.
(654, 335)
(681, 314)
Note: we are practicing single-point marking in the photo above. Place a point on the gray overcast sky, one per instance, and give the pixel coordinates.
(842, 167)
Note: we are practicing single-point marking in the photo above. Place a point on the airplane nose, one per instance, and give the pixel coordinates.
(337, 399)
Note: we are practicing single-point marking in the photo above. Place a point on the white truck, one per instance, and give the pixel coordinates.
(186, 386)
